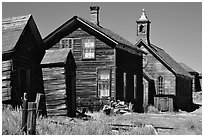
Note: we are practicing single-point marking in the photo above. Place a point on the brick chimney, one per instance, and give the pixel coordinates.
(95, 14)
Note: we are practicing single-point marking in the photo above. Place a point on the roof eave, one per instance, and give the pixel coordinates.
(98, 31)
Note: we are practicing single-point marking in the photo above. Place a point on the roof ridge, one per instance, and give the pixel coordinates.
(108, 30)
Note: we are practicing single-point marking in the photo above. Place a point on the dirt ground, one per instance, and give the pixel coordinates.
(178, 123)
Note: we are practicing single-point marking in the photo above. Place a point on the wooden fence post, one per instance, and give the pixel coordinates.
(38, 102)
(24, 114)
(31, 124)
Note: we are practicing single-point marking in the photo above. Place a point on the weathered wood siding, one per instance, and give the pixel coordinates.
(155, 68)
(164, 103)
(55, 90)
(86, 71)
(6, 80)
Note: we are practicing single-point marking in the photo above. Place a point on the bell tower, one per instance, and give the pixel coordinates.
(143, 28)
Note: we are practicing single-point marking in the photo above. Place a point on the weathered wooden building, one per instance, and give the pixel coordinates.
(173, 85)
(22, 52)
(196, 78)
(59, 72)
(108, 66)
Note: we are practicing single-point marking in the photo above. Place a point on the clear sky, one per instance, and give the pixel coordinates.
(175, 27)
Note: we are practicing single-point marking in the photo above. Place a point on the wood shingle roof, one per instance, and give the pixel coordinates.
(98, 31)
(187, 68)
(165, 59)
(12, 29)
(170, 61)
(55, 56)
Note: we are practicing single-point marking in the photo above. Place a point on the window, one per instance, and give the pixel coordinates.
(88, 51)
(66, 43)
(160, 85)
(104, 78)
(142, 28)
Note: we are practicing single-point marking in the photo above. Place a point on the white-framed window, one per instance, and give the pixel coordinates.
(88, 48)
(160, 85)
(67, 43)
(104, 82)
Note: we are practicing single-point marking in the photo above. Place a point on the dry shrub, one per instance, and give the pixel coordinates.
(11, 121)
(152, 109)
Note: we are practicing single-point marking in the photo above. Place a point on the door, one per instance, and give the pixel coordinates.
(23, 82)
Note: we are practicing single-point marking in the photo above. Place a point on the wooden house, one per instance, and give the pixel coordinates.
(59, 72)
(108, 66)
(196, 78)
(172, 88)
(22, 52)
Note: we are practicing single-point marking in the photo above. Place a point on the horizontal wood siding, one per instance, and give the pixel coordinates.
(86, 71)
(155, 69)
(6, 80)
(55, 90)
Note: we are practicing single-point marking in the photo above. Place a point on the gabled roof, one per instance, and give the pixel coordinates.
(101, 33)
(187, 68)
(165, 59)
(12, 30)
(56, 56)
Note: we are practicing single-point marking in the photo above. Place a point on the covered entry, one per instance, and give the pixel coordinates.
(59, 72)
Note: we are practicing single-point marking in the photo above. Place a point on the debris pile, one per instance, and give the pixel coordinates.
(119, 107)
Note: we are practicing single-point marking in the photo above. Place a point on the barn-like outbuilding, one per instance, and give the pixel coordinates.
(22, 52)
(59, 72)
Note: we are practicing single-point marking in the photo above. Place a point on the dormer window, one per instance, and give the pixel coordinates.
(88, 48)
(66, 43)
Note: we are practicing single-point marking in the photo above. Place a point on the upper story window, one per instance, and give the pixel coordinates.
(160, 85)
(66, 43)
(88, 48)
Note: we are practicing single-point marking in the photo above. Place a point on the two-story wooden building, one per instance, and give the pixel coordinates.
(108, 66)
(173, 85)
(22, 52)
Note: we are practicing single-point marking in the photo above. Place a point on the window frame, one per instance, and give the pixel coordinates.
(160, 85)
(67, 46)
(104, 80)
(84, 40)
